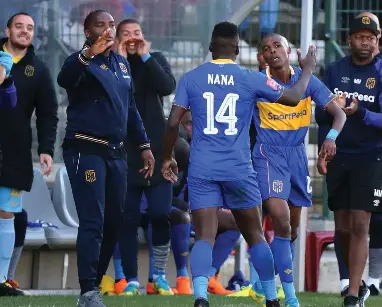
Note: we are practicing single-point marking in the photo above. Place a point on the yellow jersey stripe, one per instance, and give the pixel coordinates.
(279, 117)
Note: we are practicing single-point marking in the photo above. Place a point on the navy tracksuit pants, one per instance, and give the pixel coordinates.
(99, 190)
(159, 199)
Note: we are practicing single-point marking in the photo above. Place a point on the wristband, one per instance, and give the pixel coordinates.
(144, 146)
(146, 57)
(333, 134)
(86, 55)
(84, 58)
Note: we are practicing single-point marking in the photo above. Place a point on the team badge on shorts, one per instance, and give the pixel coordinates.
(123, 68)
(277, 186)
(104, 67)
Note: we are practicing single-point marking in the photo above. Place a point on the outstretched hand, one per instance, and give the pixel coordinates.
(309, 62)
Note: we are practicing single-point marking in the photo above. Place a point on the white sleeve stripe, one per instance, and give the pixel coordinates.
(83, 60)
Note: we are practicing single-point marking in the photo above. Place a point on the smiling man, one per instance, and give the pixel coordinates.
(35, 92)
(153, 79)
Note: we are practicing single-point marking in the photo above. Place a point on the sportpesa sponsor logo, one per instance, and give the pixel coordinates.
(360, 97)
(287, 116)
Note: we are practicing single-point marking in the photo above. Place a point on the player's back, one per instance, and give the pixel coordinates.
(221, 103)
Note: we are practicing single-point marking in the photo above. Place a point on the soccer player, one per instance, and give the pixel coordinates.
(220, 170)
(254, 283)
(353, 177)
(279, 155)
(227, 234)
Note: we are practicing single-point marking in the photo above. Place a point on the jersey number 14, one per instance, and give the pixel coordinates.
(229, 103)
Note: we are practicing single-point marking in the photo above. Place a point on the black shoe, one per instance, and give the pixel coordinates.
(351, 301)
(273, 303)
(201, 302)
(7, 290)
(363, 294)
(373, 290)
(345, 291)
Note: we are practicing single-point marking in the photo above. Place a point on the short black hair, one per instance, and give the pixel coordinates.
(225, 29)
(283, 39)
(90, 17)
(10, 20)
(127, 21)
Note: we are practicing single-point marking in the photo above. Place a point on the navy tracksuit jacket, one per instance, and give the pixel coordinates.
(100, 117)
(362, 132)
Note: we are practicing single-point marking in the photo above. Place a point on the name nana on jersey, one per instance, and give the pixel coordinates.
(216, 79)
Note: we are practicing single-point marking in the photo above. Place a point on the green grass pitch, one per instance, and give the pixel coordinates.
(306, 300)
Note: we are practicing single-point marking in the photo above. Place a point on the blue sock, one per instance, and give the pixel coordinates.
(212, 271)
(133, 279)
(224, 244)
(118, 271)
(276, 271)
(254, 279)
(200, 263)
(290, 294)
(262, 260)
(283, 260)
(151, 257)
(200, 285)
(7, 242)
(344, 272)
(292, 245)
(180, 242)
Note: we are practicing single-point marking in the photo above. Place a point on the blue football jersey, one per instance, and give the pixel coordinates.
(221, 96)
(282, 125)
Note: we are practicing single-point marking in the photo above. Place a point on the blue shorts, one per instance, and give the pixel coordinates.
(283, 172)
(10, 200)
(239, 194)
